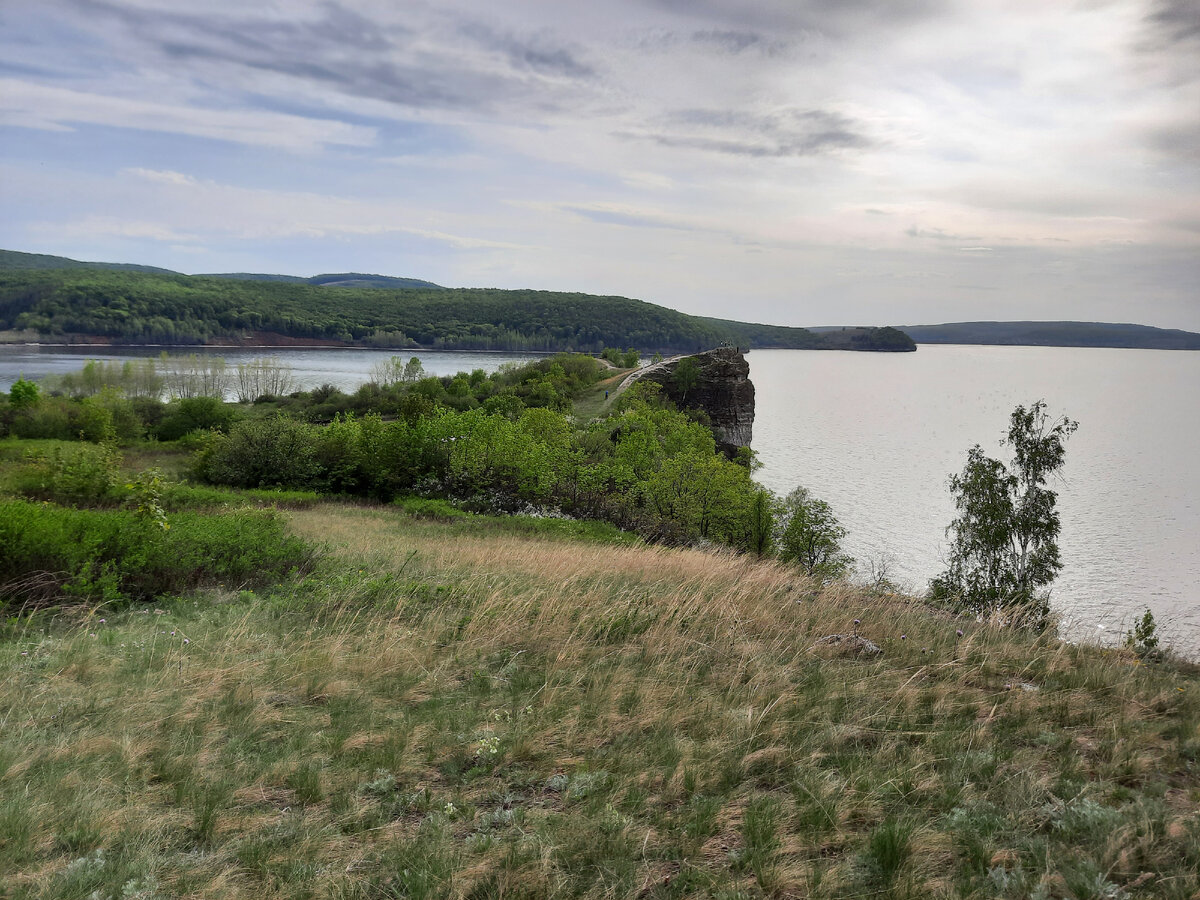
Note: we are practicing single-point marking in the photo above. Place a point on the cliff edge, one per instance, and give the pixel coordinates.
(717, 382)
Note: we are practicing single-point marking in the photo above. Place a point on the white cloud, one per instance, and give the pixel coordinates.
(700, 153)
(192, 210)
(28, 105)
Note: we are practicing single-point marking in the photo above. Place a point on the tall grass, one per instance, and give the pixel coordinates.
(437, 713)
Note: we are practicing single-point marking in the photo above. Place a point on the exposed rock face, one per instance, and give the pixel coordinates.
(722, 389)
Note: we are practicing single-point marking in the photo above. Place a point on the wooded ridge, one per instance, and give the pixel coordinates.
(121, 305)
(1056, 334)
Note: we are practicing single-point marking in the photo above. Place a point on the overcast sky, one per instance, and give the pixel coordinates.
(800, 162)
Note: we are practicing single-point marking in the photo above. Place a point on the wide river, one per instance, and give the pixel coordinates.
(877, 436)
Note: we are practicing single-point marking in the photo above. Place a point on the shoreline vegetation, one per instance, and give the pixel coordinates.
(503, 635)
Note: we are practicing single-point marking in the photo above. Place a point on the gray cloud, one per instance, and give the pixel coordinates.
(539, 53)
(789, 133)
(899, 111)
(937, 234)
(358, 56)
(835, 18)
(737, 41)
(1181, 140)
(1176, 20)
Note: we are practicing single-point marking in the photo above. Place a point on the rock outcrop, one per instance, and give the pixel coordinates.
(720, 385)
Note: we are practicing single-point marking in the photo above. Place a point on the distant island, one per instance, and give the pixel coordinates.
(1055, 334)
(55, 299)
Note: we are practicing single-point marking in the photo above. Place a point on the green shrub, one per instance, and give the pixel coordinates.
(109, 416)
(51, 417)
(275, 452)
(1143, 640)
(111, 555)
(436, 510)
(23, 394)
(194, 414)
(75, 474)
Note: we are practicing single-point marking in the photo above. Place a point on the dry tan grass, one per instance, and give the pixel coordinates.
(672, 678)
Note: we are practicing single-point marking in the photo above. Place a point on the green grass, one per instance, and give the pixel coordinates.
(452, 709)
(462, 522)
(593, 403)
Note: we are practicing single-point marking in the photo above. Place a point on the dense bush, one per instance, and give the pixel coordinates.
(194, 414)
(275, 452)
(115, 555)
(74, 474)
(648, 468)
(107, 416)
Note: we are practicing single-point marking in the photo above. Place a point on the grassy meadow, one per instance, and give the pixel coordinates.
(436, 706)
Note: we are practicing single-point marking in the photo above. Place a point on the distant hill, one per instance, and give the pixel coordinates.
(255, 276)
(1056, 334)
(14, 259)
(68, 302)
(343, 279)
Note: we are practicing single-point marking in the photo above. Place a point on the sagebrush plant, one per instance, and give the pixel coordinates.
(437, 712)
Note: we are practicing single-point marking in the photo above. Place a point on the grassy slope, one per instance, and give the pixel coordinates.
(593, 403)
(448, 713)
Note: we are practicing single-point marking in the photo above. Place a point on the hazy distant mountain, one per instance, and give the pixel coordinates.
(254, 276)
(341, 279)
(1055, 334)
(14, 259)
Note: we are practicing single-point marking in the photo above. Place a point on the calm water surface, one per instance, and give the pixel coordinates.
(345, 369)
(877, 436)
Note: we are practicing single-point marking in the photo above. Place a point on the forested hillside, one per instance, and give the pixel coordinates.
(135, 307)
(1056, 334)
(13, 259)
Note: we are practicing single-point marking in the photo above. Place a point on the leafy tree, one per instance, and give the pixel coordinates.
(763, 509)
(23, 394)
(686, 377)
(1005, 546)
(810, 536)
(413, 370)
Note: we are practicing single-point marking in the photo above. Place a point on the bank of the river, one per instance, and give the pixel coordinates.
(877, 436)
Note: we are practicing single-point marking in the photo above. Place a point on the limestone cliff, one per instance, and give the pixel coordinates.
(721, 387)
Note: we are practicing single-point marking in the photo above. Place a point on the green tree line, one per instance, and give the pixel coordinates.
(142, 307)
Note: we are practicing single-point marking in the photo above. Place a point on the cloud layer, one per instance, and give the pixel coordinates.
(800, 161)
